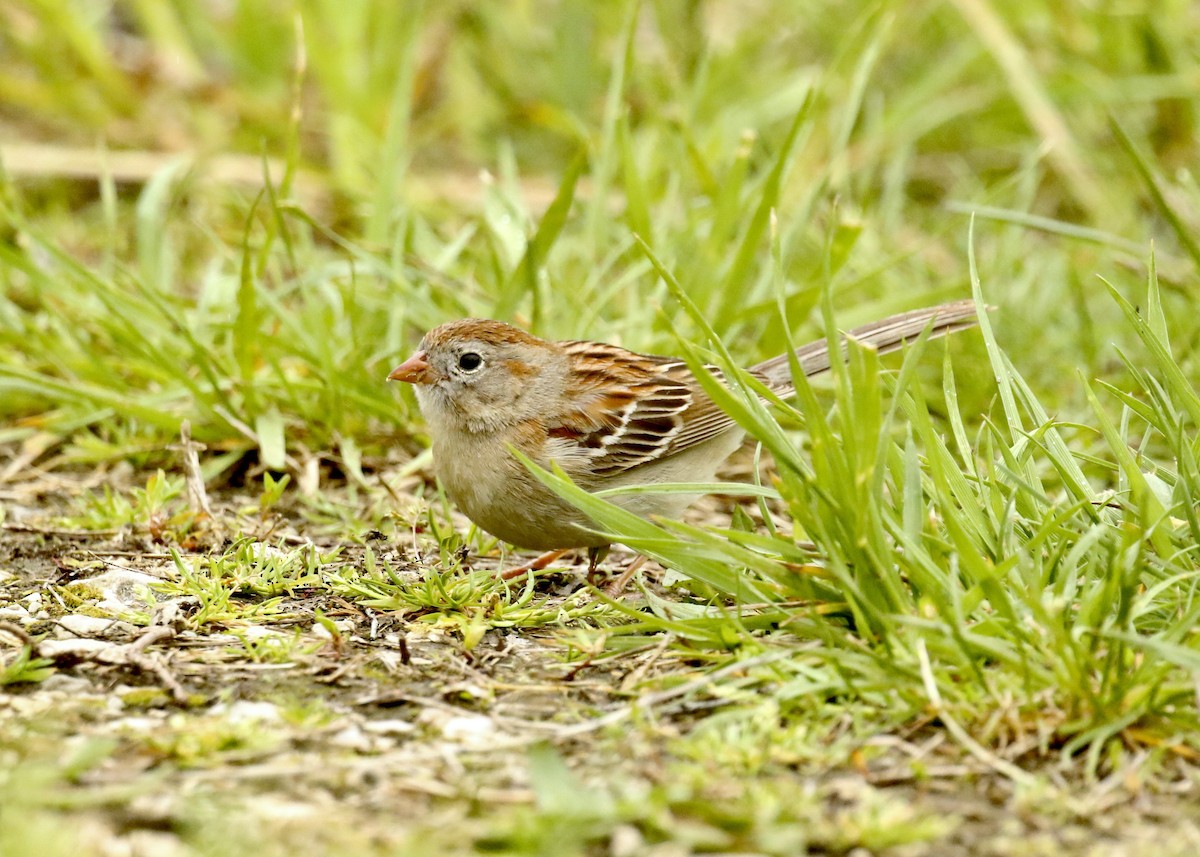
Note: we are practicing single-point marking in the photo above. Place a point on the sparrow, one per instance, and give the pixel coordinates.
(609, 417)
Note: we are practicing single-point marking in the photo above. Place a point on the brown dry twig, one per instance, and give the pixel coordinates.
(18, 632)
(135, 655)
(196, 493)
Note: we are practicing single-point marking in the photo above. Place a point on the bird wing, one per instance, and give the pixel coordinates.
(629, 409)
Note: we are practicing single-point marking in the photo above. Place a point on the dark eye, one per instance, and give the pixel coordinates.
(469, 361)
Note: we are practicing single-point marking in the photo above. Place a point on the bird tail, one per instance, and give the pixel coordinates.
(887, 335)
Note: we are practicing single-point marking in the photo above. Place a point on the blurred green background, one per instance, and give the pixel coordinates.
(415, 151)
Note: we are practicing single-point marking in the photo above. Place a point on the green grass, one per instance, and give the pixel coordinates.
(993, 537)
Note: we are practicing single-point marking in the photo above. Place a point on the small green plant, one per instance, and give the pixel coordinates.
(247, 579)
(272, 491)
(261, 569)
(274, 648)
(202, 740)
(155, 508)
(218, 600)
(102, 511)
(471, 601)
(25, 667)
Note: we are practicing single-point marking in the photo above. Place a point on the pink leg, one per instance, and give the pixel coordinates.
(618, 584)
(535, 564)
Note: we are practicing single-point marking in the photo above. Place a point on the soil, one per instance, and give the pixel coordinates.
(324, 725)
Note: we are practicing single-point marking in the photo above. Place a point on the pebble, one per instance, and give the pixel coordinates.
(389, 727)
(471, 730)
(80, 625)
(86, 649)
(245, 711)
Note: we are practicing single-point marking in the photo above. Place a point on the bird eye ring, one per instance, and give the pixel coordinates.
(469, 361)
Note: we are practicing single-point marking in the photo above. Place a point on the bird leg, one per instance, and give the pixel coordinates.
(535, 564)
(618, 584)
(595, 557)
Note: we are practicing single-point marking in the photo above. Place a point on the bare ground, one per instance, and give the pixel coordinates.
(324, 726)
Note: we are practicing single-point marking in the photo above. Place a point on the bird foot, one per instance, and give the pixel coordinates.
(617, 585)
(595, 576)
(535, 564)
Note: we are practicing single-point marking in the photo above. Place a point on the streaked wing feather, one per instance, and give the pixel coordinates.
(705, 419)
(633, 408)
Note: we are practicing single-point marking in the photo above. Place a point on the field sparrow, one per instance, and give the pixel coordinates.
(609, 417)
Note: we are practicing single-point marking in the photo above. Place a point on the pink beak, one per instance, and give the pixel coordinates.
(414, 370)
